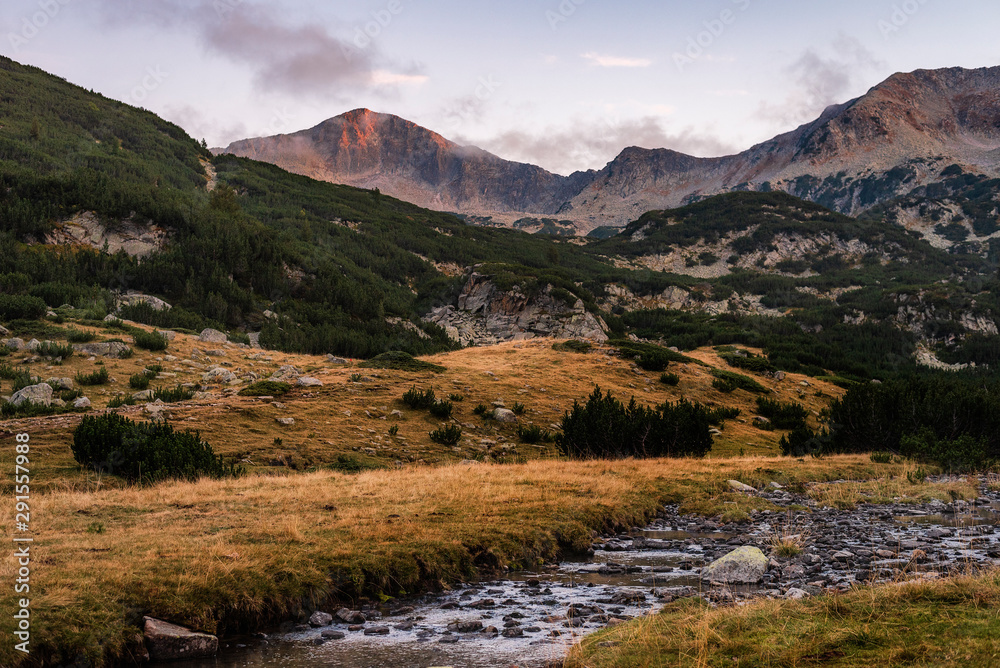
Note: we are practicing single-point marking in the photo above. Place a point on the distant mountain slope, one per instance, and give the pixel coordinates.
(899, 136)
(370, 150)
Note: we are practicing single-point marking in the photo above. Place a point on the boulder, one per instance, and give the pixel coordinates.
(213, 336)
(169, 642)
(4, 331)
(744, 565)
(286, 374)
(348, 616)
(112, 318)
(504, 415)
(38, 395)
(331, 359)
(16, 344)
(144, 395)
(796, 594)
(740, 487)
(306, 381)
(319, 619)
(218, 375)
(81, 403)
(287, 422)
(135, 298)
(60, 383)
(113, 349)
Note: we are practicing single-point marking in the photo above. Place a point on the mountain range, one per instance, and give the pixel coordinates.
(901, 135)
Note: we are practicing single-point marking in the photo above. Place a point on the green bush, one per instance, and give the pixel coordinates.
(959, 455)
(173, 395)
(441, 409)
(606, 428)
(17, 307)
(266, 388)
(144, 452)
(573, 346)
(448, 435)
(99, 377)
(518, 408)
(534, 434)
(419, 399)
(717, 416)
(782, 415)
(671, 379)
(727, 381)
(52, 349)
(400, 361)
(457, 398)
(356, 464)
(749, 362)
(481, 410)
(153, 341)
(122, 400)
(139, 381)
(803, 441)
(79, 336)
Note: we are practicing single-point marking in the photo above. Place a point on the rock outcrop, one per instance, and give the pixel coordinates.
(744, 565)
(486, 315)
(169, 642)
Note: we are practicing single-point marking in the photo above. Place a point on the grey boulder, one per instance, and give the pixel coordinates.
(744, 565)
(169, 642)
(38, 395)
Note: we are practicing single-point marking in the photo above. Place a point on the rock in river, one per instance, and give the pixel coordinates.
(169, 642)
(744, 565)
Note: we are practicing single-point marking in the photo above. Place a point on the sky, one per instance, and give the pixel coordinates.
(564, 84)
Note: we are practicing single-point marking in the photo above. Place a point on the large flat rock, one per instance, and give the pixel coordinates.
(744, 565)
(169, 642)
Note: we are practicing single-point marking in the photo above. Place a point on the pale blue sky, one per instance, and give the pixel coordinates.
(565, 84)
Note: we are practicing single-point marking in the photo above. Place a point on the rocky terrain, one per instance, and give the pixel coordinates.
(899, 136)
(486, 315)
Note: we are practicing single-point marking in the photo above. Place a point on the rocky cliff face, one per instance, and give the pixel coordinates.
(897, 137)
(486, 315)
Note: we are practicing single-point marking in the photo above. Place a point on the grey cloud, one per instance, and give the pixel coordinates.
(820, 81)
(592, 145)
(298, 58)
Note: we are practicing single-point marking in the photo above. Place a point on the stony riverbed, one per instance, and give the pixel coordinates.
(531, 619)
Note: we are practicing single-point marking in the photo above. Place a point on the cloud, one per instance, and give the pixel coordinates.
(298, 58)
(591, 145)
(820, 81)
(600, 60)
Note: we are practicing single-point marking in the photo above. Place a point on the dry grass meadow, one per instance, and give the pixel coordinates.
(294, 533)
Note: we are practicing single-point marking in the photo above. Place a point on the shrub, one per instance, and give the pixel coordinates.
(79, 336)
(356, 464)
(99, 377)
(400, 361)
(239, 337)
(139, 381)
(748, 361)
(782, 415)
(958, 455)
(149, 340)
(803, 441)
(419, 399)
(881, 457)
(144, 452)
(457, 398)
(266, 388)
(518, 408)
(481, 410)
(573, 346)
(651, 357)
(447, 435)
(719, 415)
(441, 409)
(173, 395)
(534, 434)
(727, 381)
(122, 400)
(606, 428)
(671, 379)
(355, 378)
(52, 349)
(17, 307)
(394, 430)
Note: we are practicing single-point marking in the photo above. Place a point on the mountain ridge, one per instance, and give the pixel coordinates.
(897, 136)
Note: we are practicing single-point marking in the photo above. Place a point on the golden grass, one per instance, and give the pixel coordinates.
(906, 487)
(949, 623)
(221, 555)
